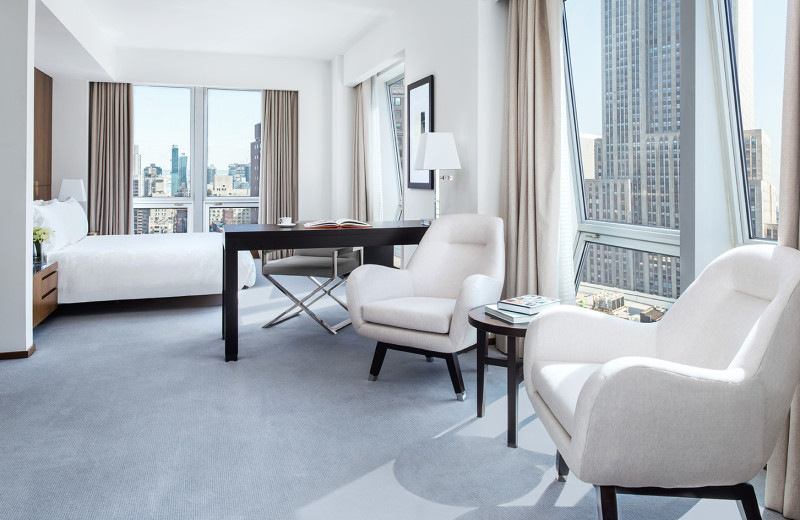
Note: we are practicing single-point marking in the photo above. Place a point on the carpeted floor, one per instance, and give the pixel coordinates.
(127, 410)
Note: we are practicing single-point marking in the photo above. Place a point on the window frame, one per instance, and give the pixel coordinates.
(649, 239)
(730, 107)
(198, 203)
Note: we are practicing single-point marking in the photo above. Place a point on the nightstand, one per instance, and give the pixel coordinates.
(45, 290)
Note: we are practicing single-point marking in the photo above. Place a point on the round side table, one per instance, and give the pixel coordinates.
(484, 324)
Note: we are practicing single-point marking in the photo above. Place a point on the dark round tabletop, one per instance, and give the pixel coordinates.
(482, 321)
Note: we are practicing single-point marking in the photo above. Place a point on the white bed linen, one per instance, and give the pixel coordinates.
(122, 267)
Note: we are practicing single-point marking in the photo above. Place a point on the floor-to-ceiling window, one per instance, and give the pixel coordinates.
(196, 158)
(623, 73)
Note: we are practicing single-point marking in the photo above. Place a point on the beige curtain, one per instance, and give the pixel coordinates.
(110, 156)
(531, 169)
(361, 150)
(278, 182)
(783, 470)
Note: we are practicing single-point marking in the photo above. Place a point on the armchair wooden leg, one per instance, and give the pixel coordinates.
(455, 376)
(377, 361)
(606, 502)
(561, 467)
(429, 359)
(748, 504)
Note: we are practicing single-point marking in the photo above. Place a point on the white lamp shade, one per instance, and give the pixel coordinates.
(72, 188)
(437, 151)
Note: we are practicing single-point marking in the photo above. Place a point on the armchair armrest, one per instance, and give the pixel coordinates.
(476, 290)
(694, 424)
(371, 283)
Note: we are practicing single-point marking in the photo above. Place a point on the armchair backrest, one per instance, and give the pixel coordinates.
(743, 314)
(454, 248)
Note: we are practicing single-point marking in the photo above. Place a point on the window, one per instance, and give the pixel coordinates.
(218, 217)
(184, 164)
(625, 123)
(396, 93)
(234, 143)
(756, 37)
(162, 134)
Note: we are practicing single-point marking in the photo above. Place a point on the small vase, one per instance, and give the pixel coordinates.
(37, 251)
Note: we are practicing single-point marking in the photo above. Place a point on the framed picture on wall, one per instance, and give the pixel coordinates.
(419, 120)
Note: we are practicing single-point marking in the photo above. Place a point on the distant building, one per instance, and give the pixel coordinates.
(255, 161)
(609, 301)
(175, 171)
(589, 148)
(762, 194)
(651, 315)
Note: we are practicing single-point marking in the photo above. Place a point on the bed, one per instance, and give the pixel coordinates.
(123, 267)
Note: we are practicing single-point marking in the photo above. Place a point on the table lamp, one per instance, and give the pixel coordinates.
(437, 151)
(72, 188)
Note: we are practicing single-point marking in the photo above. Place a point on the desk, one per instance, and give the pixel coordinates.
(485, 323)
(377, 242)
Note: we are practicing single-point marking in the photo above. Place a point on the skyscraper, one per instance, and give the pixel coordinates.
(255, 161)
(635, 179)
(174, 171)
(183, 181)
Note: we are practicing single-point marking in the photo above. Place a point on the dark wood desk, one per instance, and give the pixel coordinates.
(513, 365)
(377, 241)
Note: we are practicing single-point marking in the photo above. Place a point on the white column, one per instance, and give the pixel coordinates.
(16, 176)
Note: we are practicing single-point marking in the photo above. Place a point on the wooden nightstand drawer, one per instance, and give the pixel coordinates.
(45, 292)
(49, 282)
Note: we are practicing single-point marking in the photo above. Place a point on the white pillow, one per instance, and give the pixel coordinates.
(67, 219)
(75, 219)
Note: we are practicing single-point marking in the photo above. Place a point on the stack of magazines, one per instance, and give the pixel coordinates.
(520, 309)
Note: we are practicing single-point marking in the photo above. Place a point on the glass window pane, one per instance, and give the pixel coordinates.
(161, 136)
(234, 143)
(759, 34)
(625, 63)
(393, 189)
(160, 220)
(626, 282)
(219, 217)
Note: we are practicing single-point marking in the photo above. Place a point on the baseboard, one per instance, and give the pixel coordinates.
(19, 354)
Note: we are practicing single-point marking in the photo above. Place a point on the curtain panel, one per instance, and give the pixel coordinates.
(531, 172)
(110, 157)
(278, 188)
(361, 150)
(783, 470)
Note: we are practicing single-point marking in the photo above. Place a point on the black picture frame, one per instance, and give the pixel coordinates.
(419, 113)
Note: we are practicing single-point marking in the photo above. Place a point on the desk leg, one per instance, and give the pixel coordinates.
(481, 372)
(230, 303)
(381, 255)
(513, 387)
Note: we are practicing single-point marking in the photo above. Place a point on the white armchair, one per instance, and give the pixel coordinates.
(689, 406)
(459, 264)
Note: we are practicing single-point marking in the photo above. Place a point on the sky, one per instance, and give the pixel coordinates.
(162, 118)
(769, 35)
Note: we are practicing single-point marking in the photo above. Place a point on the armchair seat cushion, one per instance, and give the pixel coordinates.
(425, 314)
(560, 385)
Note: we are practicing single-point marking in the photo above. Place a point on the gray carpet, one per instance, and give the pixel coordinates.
(127, 410)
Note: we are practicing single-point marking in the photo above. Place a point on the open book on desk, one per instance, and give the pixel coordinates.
(340, 223)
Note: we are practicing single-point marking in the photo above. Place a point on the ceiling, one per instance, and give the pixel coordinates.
(315, 29)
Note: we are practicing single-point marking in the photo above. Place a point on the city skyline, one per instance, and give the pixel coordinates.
(162, 119)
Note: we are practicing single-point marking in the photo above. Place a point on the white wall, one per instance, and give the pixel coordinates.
(342, 102)
(704, 191)
(70, 131)
(444, 41)
(17, 27)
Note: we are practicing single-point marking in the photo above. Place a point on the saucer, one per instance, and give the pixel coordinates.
(289, 224)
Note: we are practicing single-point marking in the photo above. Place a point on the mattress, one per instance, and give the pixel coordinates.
(123, 267)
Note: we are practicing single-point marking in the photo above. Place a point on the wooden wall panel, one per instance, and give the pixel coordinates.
(42, 135)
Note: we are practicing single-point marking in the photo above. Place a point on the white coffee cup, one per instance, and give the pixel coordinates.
(285, 220)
